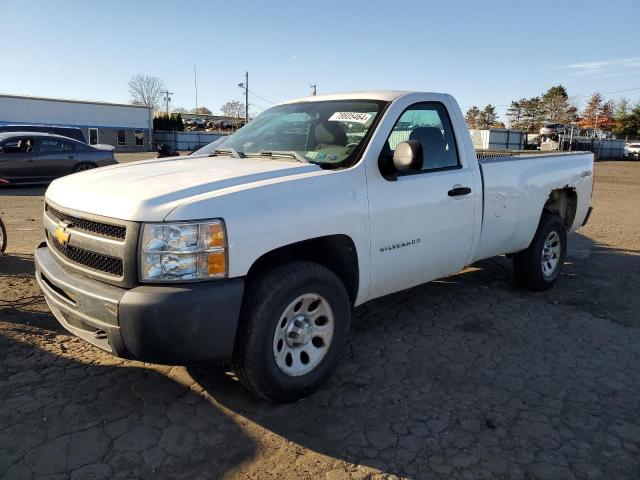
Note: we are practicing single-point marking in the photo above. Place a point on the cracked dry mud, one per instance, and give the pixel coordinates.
(467, 377)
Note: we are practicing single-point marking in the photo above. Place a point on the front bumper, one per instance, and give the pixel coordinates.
(174, 324)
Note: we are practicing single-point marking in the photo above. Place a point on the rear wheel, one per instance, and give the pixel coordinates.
(295, 323)
(81, 167)
(539, 266)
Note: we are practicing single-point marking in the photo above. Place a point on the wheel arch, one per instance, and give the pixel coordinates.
(336, 252)
(564, 203)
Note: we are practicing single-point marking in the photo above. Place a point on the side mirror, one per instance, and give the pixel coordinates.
(408, 156)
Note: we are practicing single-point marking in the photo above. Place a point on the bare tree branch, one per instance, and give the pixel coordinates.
(146, 90)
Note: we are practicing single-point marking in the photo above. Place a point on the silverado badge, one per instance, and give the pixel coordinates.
(61, 235)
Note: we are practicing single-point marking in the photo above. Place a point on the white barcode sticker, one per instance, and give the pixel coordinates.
(354, 117)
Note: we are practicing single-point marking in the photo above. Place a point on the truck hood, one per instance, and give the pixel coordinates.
(149, 190)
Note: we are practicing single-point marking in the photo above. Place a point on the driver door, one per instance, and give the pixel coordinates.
(421, 220)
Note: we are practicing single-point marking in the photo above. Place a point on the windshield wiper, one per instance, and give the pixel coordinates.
(280, 153)
(230, 150)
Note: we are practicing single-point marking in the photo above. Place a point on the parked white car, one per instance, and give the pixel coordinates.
(632, 151)
(553, 129)
(257, 252)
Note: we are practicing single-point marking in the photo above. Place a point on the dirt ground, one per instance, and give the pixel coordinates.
(467, 377)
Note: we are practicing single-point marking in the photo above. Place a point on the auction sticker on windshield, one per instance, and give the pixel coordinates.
(355, 117)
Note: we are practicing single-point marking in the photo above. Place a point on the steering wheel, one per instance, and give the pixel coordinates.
(349, 147)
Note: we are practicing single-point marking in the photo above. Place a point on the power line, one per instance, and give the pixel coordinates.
(262, 98)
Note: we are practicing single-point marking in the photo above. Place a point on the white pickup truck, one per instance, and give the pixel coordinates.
(255, 251)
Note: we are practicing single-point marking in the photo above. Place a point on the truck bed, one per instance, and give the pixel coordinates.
(516, 186)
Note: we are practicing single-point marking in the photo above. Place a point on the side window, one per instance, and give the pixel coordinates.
(122, 137)
(429, 124)
(18, 145)
(67, 147)
(48, 146)
(139, 136)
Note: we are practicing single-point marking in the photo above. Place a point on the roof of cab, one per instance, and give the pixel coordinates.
(385, 95)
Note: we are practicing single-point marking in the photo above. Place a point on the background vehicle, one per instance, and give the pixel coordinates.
(30, 157)
(632, 150)
(166, 150)
(256, 252)
(70, 132)
(553, 129)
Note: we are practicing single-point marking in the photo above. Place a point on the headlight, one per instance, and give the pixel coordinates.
(178, 252)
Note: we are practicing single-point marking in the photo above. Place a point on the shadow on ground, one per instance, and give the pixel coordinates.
(463, 376)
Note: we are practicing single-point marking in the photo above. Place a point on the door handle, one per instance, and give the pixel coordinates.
(71, 157)
(457, 191)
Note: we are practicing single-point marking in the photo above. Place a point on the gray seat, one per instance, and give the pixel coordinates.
(434, 148)
(330, 134)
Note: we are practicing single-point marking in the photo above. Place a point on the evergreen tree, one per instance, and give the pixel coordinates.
(473, 117)
(515, 114)
(556, 106)
(532, 116)
(488, 117)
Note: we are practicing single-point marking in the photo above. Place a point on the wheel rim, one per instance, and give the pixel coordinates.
(82, 168)
(551, 254)
(303, 334)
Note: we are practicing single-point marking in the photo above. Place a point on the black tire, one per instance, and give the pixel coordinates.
(266, 302)
(528, 269)
(3, 238)
(81, 167)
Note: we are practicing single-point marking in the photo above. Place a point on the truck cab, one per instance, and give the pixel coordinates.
(256, 251)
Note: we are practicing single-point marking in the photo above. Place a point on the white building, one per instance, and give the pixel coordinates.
(127, 127)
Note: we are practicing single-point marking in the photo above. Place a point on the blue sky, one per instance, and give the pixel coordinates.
(479, 51)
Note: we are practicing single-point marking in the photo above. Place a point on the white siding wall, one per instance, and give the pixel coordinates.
(44, 111)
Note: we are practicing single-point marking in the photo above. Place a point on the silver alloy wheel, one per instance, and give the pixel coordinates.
(551, 254)
(303, 335)
(85, 166)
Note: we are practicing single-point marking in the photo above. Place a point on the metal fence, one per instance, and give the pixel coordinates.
(602, 148)
(498, 139)
(186, 141)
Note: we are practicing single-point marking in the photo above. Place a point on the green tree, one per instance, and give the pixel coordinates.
(179, 123)
(556, 106)
(472, 117)
(532, 115)
(515, 114)
(627, 121)
(488, 117)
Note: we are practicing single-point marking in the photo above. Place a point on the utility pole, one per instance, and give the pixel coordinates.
(313, 89)
(167, 99)
(245, 85)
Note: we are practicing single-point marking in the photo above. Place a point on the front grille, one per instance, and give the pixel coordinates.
(102, 229)
(95, 261)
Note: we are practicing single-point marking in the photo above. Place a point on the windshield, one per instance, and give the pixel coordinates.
(210, 148)
(324, 132)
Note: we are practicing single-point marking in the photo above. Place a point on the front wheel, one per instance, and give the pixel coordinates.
(295, 323)
(538, 267)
